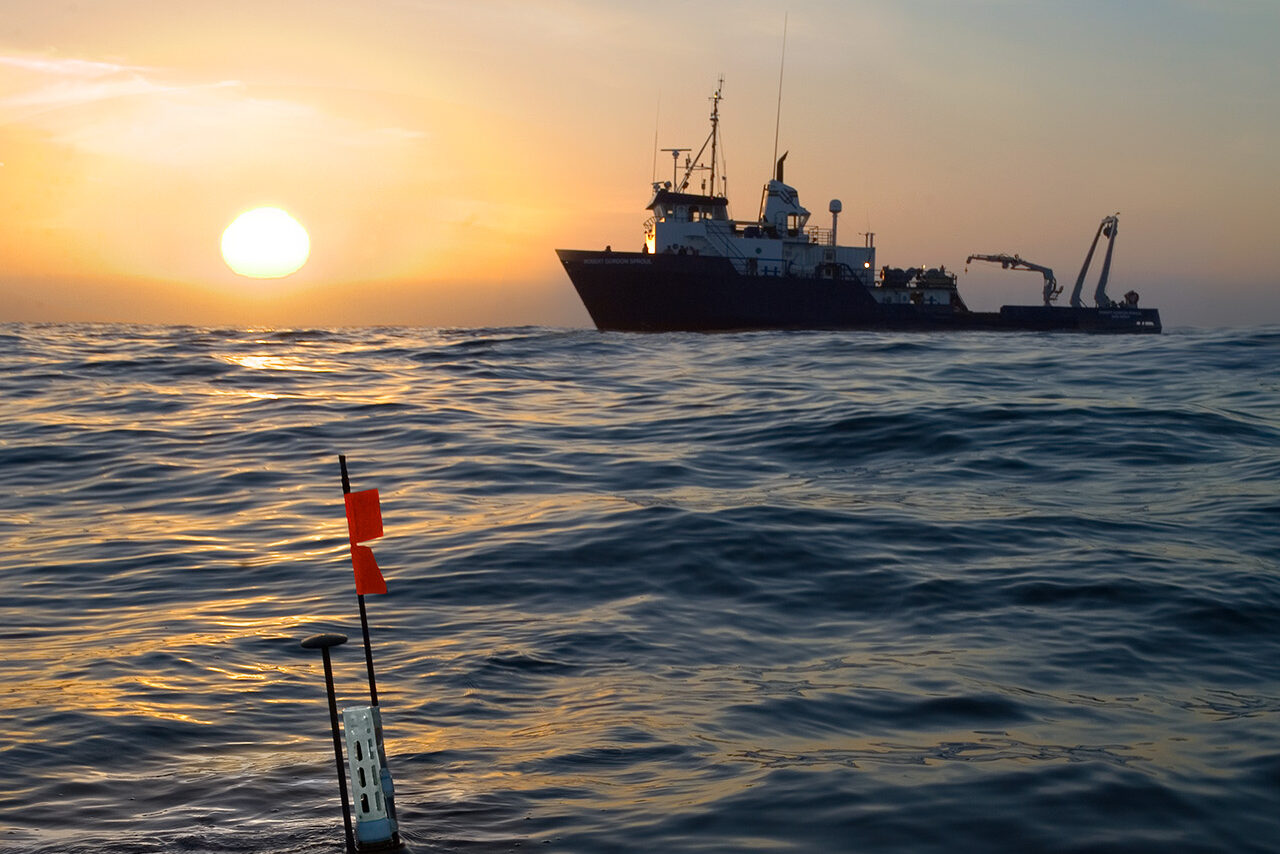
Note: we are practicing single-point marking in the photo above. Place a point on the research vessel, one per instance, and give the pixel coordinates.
(700, 270)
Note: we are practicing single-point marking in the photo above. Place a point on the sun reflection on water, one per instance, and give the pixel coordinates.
(258, 362)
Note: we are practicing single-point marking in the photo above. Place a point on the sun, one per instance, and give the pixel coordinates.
(265, 243)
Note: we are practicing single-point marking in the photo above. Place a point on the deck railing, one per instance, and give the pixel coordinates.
(821, 236)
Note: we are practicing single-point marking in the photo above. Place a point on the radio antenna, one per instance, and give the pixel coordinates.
(777, 124)
(656, 121)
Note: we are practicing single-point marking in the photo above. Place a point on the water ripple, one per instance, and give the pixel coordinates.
(785, 591)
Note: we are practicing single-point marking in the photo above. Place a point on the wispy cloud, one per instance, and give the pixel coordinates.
(141, 113)
(66, 67)
(53, 83)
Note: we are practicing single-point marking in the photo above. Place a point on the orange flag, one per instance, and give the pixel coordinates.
(368, 578)
(364, 522)
(364, 515)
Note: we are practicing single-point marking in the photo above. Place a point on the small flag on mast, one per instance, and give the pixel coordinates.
(364, 522)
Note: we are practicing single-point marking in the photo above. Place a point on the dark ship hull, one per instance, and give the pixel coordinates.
(640, 292)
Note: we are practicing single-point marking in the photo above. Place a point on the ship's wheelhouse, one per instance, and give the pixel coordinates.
(668, 206)
(679, 219)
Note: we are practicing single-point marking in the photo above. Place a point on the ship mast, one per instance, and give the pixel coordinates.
(695, 162)
(715, 127)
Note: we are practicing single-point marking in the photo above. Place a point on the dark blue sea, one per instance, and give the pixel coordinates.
(795, 592)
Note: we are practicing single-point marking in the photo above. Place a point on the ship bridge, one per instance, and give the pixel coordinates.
(682, 221)
(669, 206)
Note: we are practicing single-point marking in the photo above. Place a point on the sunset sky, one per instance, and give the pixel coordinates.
(438, 152)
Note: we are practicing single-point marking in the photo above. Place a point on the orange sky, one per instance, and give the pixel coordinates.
(438, 152)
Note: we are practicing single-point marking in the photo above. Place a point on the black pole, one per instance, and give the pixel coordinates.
(368, 652)
(322, 643)
(364, 617)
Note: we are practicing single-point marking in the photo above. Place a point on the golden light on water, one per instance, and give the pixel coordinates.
(256, 362)
(195, 641)
(265, 243)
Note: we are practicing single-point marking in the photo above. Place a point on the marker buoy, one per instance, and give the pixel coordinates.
(374, 793)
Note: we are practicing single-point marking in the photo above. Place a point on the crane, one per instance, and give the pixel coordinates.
(1014, 262)
(1108, 227)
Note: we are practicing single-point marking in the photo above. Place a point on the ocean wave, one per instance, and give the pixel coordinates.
(801, 591)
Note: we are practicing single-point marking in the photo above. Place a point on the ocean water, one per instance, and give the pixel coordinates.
(799, 592)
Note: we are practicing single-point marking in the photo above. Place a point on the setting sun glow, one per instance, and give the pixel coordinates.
(265, 243)
(133, 133)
